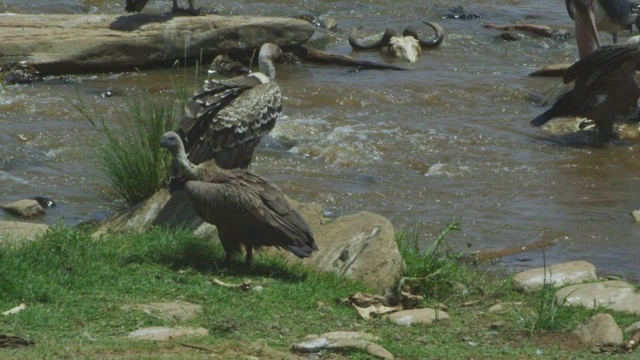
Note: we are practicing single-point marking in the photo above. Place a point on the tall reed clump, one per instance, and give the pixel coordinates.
(130, 160)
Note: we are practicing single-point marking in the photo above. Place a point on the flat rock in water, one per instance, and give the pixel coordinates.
(157, 333)
(16, 231)
(601, 329)
(559, 274)
(178, 311)
(614, 295)
(26, 208)
(425, 316)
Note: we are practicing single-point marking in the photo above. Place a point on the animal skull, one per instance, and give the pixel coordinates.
(406, 47)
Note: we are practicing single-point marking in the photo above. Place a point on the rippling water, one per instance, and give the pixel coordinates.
(449, 138)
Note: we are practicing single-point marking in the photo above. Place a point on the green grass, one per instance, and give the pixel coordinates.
(74, 287)
(129, 160)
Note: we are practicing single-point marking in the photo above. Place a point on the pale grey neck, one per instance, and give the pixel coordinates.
(182, 161)
(266, 66)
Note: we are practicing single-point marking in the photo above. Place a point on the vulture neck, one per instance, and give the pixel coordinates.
(265, 63)
(181, 160)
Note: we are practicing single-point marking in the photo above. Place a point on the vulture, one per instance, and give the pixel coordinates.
(246, 208)
(609, 15)
(138, 5)
(226, 119)
(605, 89)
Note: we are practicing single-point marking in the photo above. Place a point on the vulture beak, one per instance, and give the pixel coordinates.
(586, 31)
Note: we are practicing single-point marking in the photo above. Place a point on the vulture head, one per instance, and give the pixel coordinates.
(407, 46)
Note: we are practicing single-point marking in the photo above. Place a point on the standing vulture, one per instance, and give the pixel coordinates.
(605, 89)
(226, 119)
(245, 208)
(138, 5)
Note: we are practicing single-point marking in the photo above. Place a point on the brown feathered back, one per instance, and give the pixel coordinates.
(227, 118)
(135, 5)
(605, 88)
(249, 210)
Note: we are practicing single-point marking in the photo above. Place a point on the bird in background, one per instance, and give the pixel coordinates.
(247, 209)
(138, 5)
(608, 15)
(226, 119)
(602, 85)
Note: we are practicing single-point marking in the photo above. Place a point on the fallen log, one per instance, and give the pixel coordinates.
(551, 70)
(541, 30)
(318, 56)
(65, 44)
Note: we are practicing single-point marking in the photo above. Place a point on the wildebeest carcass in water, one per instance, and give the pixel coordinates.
(407, 46)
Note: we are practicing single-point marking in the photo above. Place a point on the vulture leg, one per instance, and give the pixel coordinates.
(249, 259)
(230, 246)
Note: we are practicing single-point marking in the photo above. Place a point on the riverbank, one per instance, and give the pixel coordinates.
(85, 297)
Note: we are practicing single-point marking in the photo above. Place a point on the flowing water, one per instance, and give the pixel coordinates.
(448, 138)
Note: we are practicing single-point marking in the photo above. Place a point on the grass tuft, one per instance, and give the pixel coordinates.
(434, 272)
(130, 160)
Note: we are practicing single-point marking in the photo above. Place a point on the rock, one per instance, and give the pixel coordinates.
(64, 44)
(158, 333)
(565, 273)
(635, 327)
(343, 341)
(360, 246)
(264, 351)
(601, 329)
(614, 295)
(502, 307)
(178, 311)
(424, 316)
(26, 208)
(17, 231)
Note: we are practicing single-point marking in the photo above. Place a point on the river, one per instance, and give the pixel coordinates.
(448, 138)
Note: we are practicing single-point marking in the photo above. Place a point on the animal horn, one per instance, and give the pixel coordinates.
(361, 45)
(412, 31)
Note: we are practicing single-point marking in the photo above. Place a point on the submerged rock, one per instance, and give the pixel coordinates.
(26, 208)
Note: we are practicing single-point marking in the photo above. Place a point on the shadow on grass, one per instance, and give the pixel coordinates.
(178, 249)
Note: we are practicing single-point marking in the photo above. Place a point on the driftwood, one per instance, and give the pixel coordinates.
(551, 70)
(541, 30)
(318, 56)
(63, 44)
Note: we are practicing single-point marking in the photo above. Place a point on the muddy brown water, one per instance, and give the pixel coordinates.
(448, 138)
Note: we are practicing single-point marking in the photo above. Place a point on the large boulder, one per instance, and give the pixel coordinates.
(63, 44)
(16, 231)
(361, 246)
